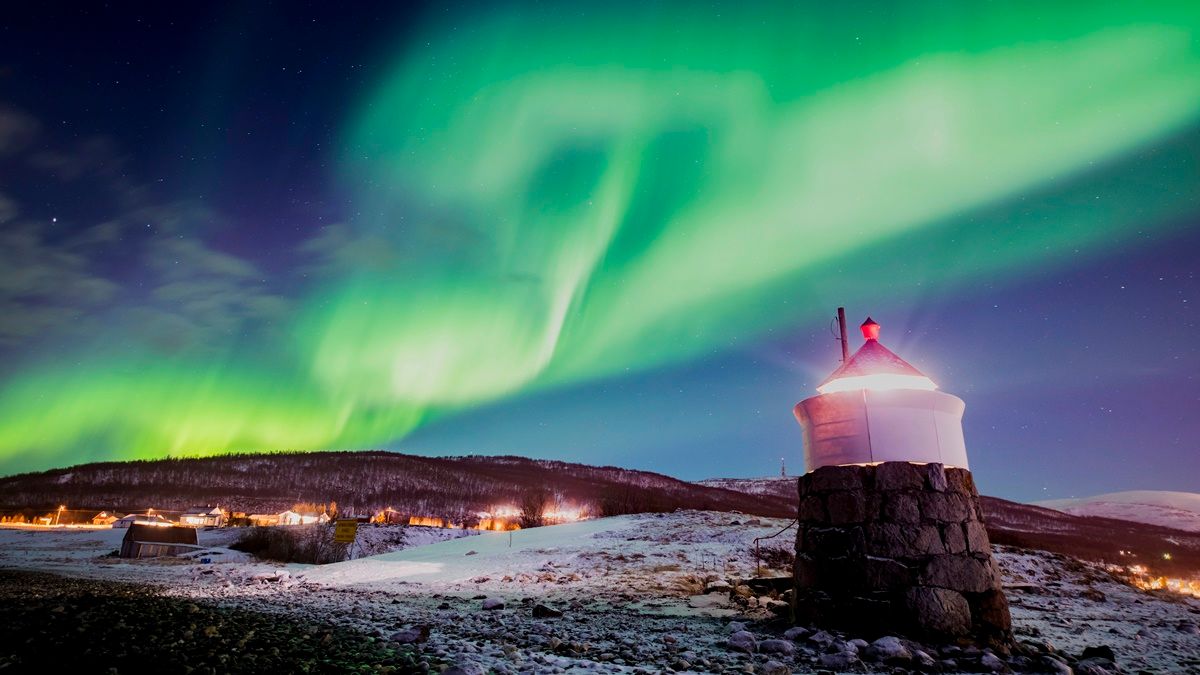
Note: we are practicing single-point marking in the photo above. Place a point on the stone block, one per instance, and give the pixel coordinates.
(935, 477)
(885, 574)
(812, 509)
(847, 508)
(960, 481)
(901, 507)
(837, 479)
(899, 476)
(928, 541)
(992, 615)
(954, 538)
(977, 539)
(893, 540)
(805, 571)
(946, 507)
(834, 542)
(961, 573)
(939, 612)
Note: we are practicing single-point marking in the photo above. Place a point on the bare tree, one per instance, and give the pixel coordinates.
(533, 507)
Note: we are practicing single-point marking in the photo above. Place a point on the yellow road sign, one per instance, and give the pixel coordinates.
(344, 531)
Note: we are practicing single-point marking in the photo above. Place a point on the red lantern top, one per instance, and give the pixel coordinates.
(870, 329)
(874, 367)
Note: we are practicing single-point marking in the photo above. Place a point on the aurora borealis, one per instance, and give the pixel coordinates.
(577, 232)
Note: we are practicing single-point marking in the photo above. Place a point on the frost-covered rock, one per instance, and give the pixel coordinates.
(742, 641)
(541, 611)
(775, 668)
(839, 662)
(411, 635)
(992, 663)
(795, 633)
(890, 648)
(493, 604)
(822, 637)
(777, 647)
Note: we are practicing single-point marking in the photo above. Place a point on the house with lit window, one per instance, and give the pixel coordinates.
(203, 516)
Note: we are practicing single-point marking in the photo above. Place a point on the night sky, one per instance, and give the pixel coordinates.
(612, 233)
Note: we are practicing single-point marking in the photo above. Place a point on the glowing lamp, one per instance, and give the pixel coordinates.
(876, 407)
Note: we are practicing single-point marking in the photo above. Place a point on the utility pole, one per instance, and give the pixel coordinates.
(841, 319)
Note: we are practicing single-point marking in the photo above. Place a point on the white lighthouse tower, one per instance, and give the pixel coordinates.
(877, 408)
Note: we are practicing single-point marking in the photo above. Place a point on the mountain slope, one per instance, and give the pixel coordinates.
(364, 482)
(783, 487)
(1179, 510)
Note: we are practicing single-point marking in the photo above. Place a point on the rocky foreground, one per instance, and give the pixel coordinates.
(643, 594)
(53, 624)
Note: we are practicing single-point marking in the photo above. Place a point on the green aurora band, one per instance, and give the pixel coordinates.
(559, 196)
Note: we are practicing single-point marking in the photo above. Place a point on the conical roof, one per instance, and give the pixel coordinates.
(874, 366)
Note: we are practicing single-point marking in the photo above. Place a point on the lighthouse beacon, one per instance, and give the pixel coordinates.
(878, 408)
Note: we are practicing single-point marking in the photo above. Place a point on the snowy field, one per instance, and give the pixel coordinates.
(631, 592)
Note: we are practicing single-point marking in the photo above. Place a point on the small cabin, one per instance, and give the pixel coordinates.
(150, 541)
(203, 516)
(140, 519)
(104, 518)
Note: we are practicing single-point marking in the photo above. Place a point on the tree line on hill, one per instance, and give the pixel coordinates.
(455, 489)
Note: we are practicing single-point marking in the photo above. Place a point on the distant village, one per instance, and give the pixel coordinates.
(499, 519)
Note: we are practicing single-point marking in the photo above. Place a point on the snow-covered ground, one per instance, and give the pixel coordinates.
(631, 593)
(1178, 510)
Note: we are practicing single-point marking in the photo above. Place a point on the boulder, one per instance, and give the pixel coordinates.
(412, 635)
(541, 611)
(795, 633)
(742, 641)
(1096, 667)
(777, 647)
(992, 663)
(840, 662)
(775, 668)
(1098, 652)
(890, 649)
(493, 604)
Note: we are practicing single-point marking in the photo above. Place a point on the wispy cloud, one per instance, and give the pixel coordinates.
(173, 290)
